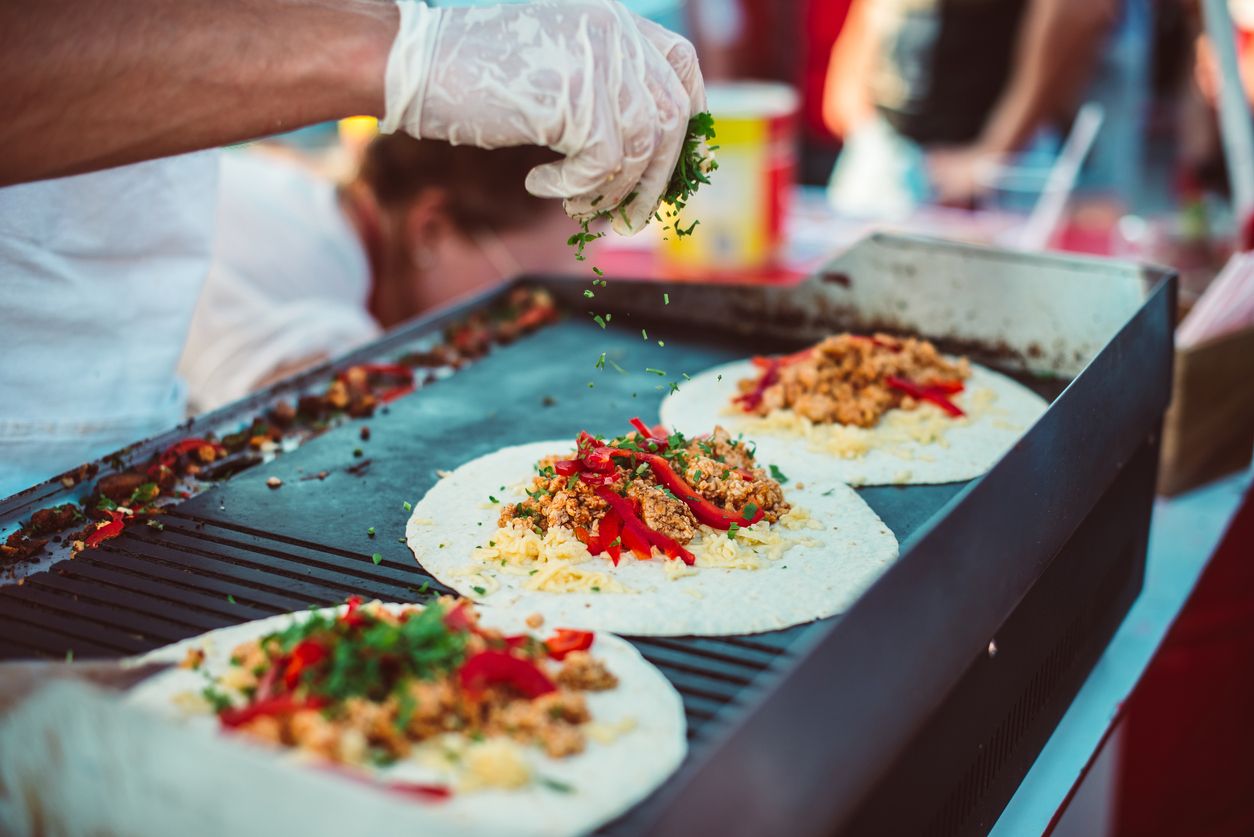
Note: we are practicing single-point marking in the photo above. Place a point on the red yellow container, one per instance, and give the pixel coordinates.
(743, 210)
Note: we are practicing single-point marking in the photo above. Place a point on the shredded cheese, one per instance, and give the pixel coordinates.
(603, 733)
(552, 563)
(899, 432)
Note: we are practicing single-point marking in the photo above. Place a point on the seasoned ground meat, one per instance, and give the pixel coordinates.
(842, 379)
(556, 501)
(662, 512)
(718, 467)
(582, 671)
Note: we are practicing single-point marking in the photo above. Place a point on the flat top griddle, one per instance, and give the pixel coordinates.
(243, 550)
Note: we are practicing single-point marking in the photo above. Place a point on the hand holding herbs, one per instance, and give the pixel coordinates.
(692, 170)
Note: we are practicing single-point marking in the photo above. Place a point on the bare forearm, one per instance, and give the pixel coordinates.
(89, 84)
(1057, 50)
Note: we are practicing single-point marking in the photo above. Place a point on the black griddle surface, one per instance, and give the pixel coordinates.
(244, 551)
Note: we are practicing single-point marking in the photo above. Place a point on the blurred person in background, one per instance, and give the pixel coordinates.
(303, 270)
(928, 93)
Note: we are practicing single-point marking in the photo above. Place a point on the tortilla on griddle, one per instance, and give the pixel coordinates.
(838, 548)
(643, 717)
(907, 447)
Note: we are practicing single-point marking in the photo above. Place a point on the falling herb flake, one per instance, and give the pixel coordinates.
(230, 598)
(407, 506)
(658, 372)
(377, 558)
(599, 320)
(666, 299)
(370, 532)
(644, 335)
(589, 294)
(555, 785)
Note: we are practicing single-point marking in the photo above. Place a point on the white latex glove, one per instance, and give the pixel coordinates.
(609, 90)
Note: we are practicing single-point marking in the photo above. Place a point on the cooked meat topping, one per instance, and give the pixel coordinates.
(582, 671)
(843, 380)
(719, 468)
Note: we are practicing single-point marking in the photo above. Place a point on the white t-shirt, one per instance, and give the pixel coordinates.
(289, 280)
(98, 276)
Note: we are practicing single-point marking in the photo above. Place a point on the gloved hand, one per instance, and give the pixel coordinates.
(587, 78)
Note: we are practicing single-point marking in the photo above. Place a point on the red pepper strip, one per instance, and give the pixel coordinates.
(659, 444)
(566, 640)
(782, 360)
(609, 535)
(429, 793)
(306, 654)
(637, 541)
(567, 467)
(593, 542)
(282, 705)
(925, 393)
(705, 511)
(753, 399)
(637, 536)
(117, 522)
(948, 387)
(352, 616)
(458, 619)
(500, 667)
(599, 479)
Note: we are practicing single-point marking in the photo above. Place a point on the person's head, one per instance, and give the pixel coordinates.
(451, 219)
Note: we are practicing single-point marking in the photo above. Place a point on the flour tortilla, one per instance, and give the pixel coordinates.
(970, 446)
(813, 579)
(607, 779)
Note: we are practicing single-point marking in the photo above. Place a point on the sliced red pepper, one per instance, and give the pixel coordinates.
(595, 480)
(752, 399)
(936, 395)
(567, 467)
(609, 534)
(110, 530)
(637, 536)
(488, 668)
(458, 619)
(306, 654)
(566, 640)
(269, 707)
(952, 387)
(428, 793)
(705, 511)
(352, 613)
(659, 442)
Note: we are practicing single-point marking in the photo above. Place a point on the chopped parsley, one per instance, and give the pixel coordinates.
(479, 590)
(778, 475)
(732, 530)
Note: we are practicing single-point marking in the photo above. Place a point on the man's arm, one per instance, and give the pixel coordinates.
(1057, 49)
(89, 84)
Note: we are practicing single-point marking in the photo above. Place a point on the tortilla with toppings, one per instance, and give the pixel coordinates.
(490, 729)
(652, 533)
(864, 411)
